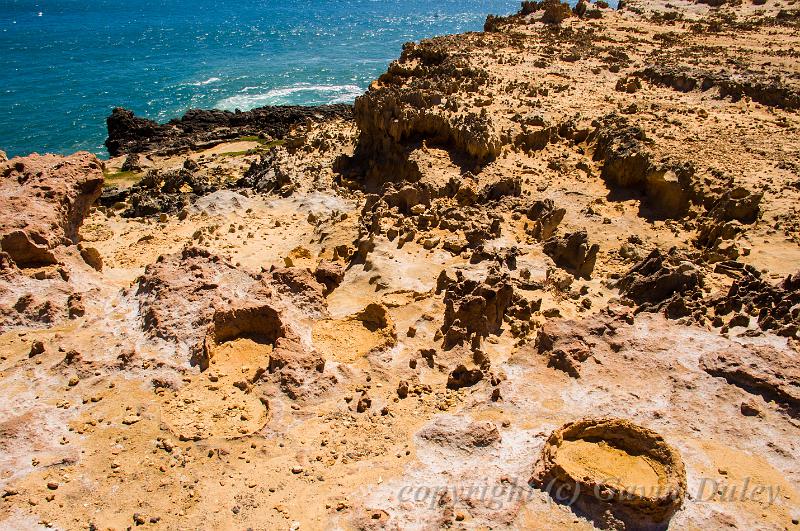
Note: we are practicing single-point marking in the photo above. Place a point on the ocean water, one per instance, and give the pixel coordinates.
(64, 64)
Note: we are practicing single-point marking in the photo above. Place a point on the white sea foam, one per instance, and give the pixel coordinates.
(287, 95)
(206, 82)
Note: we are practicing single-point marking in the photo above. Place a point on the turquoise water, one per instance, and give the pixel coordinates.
(64, 64)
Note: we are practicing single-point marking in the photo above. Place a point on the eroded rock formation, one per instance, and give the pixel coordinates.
(628, 500)
(45, 199)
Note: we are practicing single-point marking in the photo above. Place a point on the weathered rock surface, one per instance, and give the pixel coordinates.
(573, 252)
(44, 200)
(163, 192)
(774, 306)
(683, 78)
(765, 371)
(659, 279)
(473, 310)
(609, 500)
(179, 296)
(406, 106)
(452, 431)
(323, 368)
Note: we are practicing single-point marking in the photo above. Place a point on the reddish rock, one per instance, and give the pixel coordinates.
(300, 285)
(330, 274)
(180, 294)
(43, 201)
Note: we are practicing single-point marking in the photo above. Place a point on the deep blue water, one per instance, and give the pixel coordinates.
(64, 64)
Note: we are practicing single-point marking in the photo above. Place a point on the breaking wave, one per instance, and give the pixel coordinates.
(298, 94)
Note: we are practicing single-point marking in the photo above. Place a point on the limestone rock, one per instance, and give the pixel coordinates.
(43, 201)
(555, 11)
(330, 274)
(573, 252)
(659, 277)
(179, 295)
(450, 431)
(461, 376)
(473, 309)
(607, 501)
(772, 373)
(546, 218)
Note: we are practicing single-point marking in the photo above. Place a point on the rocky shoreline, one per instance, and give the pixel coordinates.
(542, 276)
(202, 129)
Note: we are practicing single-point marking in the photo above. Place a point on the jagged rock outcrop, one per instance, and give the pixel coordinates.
(546, 218)
(684, 78)
(473, 309)
(43, 201)
(329, 274)
(132, 163)
(128, 133)
(167, 191)
(407, 212)
(416, 101)
(462, 376)
(775, 307)
(739, 204)
(268, 175)
(660, 279)
(573, 252)
(627, 163)
(555, 12)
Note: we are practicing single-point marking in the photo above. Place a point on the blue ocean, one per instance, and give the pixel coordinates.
(64, 64)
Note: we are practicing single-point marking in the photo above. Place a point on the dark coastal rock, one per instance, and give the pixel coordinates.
(128, 133)
(132, 163)
(165, 191)
(268, 176)
(622, 148)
